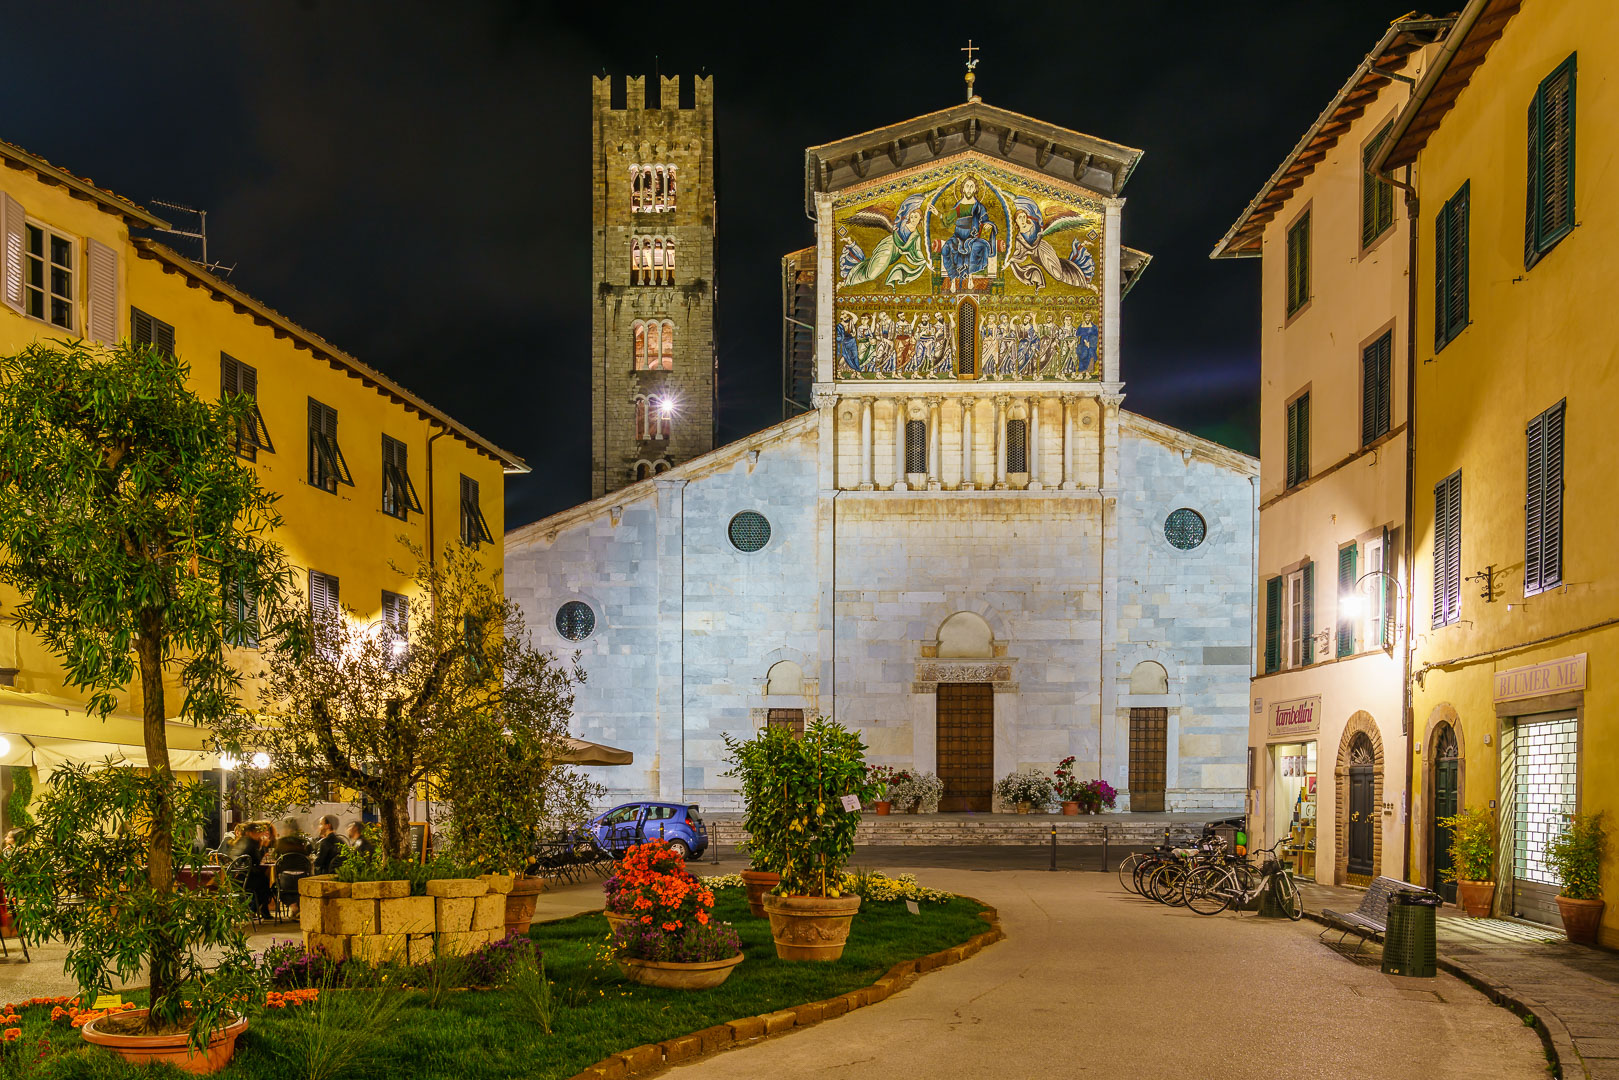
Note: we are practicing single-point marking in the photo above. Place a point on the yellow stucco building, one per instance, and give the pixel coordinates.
(1509, 142)
(358, 461)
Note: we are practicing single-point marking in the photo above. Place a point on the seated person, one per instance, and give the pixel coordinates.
(358, 840)
(258, 875)
(329, 849)
(292, 839)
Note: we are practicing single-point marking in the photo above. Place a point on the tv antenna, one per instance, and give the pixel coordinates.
(199, 234)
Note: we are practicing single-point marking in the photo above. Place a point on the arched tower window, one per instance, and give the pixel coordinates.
(967, 337)
(660, 467)
(635, 188)
(657, 261)
(640, 345)
(641, 432)
(669, 189)
(669, 260)
(667, 353)
(662, 418)
(643, 470)
(657, 187)
(1017, 446)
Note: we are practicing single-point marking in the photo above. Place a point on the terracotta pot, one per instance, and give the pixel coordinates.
(881, 807)
(911, 809)
(675, 976)
(1070, 808)
(1581, 918)
(615, 919)
(758, 883)
(810, 927)
(520, 904)
(167, 1049)
(1475, 897)
(1023, 808)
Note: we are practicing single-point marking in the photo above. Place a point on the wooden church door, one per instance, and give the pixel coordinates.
(966, 741)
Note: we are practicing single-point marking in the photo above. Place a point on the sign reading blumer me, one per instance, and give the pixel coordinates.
(1538, 680)
(1301, 716)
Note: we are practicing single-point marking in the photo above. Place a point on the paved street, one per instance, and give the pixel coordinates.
(1092, 981)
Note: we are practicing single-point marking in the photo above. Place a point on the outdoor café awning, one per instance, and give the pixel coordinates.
(46, 732)
(581, 752)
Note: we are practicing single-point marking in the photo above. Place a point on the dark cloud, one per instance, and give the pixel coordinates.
(412, 180)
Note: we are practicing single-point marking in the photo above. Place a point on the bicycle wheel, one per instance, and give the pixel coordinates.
(1127, 871)
(1143, 872)
(1166, 883)
(1248, 884)
(1208, 889)
(1287, 897)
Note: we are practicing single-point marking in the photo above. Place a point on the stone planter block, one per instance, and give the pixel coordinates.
(379, 890)
(457, 887)
(406, 915)
(309, 912)
(420, 948)
(498, 883)
(348, 916)
(378, 948)
(335, 946)
(489, 913)
(454, 914)
(459, 944)
(322, 887)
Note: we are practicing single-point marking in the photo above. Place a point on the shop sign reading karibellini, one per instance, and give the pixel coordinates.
(1300, 716)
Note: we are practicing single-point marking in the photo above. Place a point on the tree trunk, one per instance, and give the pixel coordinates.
(395, 826)
(165, 959)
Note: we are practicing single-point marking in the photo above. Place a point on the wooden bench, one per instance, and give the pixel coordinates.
(1371, 918)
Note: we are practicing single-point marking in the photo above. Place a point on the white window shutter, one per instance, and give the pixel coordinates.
(102, 278)
(11, 252)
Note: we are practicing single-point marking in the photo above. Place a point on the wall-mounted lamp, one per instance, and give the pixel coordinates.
(1486, 577)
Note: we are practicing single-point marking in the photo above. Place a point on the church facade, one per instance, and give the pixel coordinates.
(967, 550)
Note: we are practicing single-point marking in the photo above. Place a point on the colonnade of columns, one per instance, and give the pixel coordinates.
(929, 409)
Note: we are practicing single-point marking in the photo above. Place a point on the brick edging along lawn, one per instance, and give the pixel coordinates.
(654, 1057)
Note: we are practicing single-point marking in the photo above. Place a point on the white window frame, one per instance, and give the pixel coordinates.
(29, 258)
(1293, 644)
(1370, 561)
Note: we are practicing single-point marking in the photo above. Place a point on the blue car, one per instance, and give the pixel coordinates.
(630, 823)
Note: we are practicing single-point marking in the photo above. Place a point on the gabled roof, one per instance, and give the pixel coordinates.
(1062, 154)
(1404, 36)
(136, 217)
(1477, 28)
(175, 263)
(1132, 264)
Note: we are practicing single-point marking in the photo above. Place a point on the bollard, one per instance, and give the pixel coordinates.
(1104, 849)
(1053, 846)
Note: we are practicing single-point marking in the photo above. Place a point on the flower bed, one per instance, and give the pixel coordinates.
(597, 1012)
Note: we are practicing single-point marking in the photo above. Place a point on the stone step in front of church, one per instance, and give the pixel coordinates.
(965, 830)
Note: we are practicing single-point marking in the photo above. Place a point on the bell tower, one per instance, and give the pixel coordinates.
(653, 218)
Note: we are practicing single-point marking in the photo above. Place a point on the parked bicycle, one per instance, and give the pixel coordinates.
(1211, 888)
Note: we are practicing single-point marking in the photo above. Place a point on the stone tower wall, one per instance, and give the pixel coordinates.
(638, 135)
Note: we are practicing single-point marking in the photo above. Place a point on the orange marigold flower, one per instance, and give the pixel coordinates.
(702, 917)
(13, 1034)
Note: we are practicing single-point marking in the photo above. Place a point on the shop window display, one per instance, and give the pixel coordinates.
(1294, 805)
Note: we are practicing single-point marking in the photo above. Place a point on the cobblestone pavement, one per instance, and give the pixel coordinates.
(1572, 988)
(1094, 982)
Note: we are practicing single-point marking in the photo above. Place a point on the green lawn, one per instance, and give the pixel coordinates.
(485, 1034)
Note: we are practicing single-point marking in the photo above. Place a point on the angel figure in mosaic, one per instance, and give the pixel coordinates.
(1033, 257)
(899, 258)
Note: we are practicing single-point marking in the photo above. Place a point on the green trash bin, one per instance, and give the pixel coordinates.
(1409, 944)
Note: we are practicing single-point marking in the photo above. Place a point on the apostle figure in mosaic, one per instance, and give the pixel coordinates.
(1086, 348)
(899, 258)
(848, 346)
(969, 251)
(1033, 259)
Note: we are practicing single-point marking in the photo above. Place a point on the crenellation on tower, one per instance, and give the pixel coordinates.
(653, 385)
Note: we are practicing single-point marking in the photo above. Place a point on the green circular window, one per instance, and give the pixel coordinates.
(1185, 529)
(575, 620)
(749, 531)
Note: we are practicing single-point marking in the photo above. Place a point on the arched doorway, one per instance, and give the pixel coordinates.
(1445, 750)
(1362, 806)
(1149, 740)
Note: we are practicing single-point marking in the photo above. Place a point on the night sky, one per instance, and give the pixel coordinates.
(412, 180)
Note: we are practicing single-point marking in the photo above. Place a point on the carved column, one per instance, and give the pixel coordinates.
(899, 445)
(1068, 403)
(866, 464)
(967, 444)
(935, 444)
(1000, 442)
(1034, 444)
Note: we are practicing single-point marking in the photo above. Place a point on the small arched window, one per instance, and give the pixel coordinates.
(668, 346)
(916, 446)
(641, 419)
(660, 467)
(662, 418)
(1017, 446)
(639, 330)
(635, 188)
(669, 261)
(669, 189)
(657, 187)
(642, 470)
(967, 337)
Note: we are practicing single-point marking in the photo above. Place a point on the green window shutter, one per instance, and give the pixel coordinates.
(1307, 616)
(1450, 265)
(1346, 587)
(1533, 525)
(1531, 215)
(1440, 274)
(1550, 188)
(1375, 388)
(1376, 196)
(1447, 550)
(1543, 502)
(1292, 458)
(1301, 447)
(1273, 625)
(1298, 264)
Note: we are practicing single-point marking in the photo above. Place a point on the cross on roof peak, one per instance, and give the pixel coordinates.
(972, 62)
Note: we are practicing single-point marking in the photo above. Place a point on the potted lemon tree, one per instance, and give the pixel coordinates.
(1576, 855)
(1472, 859)
(749, 765)
(804, 812)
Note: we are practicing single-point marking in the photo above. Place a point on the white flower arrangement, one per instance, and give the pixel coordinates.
(921, 790)
(1025, 786)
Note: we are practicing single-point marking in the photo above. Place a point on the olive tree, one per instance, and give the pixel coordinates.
(140, 546)
(445, 688)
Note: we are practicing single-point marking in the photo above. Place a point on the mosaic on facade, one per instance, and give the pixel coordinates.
(968, 271)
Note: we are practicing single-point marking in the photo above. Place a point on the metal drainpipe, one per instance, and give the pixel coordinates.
(1407, 719)
(432, 552)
